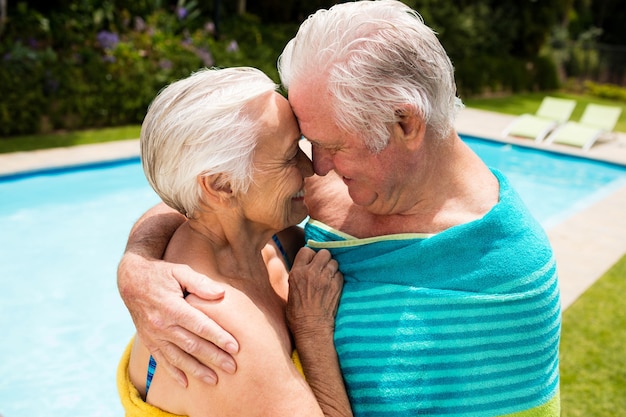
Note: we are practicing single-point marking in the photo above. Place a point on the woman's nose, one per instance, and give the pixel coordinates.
(305, 165)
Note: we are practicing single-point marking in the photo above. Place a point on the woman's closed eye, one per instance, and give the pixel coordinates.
(293, 157)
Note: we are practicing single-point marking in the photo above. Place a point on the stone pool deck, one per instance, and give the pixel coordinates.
(586, 244)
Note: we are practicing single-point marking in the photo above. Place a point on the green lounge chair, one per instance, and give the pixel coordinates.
(552, 112)
(595, 122)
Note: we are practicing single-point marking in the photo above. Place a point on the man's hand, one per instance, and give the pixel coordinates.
(182, 339)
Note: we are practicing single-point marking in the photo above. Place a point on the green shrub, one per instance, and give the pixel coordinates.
(545, 75)
(91, 64)
(108, 78)
(25, 86)
(490, 74)
(608, 91)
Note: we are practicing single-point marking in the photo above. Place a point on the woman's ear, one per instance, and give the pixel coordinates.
(410, 127)
(215, 188)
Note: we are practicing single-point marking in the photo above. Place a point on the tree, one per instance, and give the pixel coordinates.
(3, 15)
(610, 15)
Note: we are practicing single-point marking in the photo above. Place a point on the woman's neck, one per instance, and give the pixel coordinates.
(231, 249)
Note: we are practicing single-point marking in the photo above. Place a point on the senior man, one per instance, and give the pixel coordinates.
(451, 300)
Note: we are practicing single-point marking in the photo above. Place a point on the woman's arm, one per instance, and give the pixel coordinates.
(315, 286)
(182, 339)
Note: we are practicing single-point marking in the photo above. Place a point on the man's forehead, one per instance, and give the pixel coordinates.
(311, 104)
(299, 104)
(308, 95)
(306, 116)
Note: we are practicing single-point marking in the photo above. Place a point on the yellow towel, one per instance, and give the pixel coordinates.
(296, 361)
(134, 405)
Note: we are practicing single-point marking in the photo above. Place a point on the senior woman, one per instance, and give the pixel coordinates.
(222, 147)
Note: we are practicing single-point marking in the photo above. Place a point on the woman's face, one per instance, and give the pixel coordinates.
(276, 195)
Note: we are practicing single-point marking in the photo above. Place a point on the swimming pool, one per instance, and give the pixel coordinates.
(62, 235)
(553, 186)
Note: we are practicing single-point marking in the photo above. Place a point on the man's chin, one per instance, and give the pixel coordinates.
(360, 200)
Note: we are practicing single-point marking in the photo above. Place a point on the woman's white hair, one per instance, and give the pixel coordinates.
(201, 125)
(377, 57)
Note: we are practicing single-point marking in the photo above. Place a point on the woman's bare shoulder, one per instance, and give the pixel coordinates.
(266, 381)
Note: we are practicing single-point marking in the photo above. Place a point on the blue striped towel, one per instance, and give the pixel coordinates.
(462, 323)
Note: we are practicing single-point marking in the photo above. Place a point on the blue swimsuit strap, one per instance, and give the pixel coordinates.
(151, 369)
(282, 250)
(152, 363)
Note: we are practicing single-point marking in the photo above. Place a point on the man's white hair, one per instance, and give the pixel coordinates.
(376, 57)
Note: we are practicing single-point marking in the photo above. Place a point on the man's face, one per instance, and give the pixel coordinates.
(375, 181)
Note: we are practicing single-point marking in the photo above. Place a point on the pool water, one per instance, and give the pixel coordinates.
(553, 186)
(62, 234)
(63, 324)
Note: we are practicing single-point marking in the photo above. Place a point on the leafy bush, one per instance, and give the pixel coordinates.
(504, 74)
(67, 80)
(97, 63)
(608, 91)
(25, 84)
(545, 74)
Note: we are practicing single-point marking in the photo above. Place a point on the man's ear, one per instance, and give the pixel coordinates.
(215, 188)
(410, 127)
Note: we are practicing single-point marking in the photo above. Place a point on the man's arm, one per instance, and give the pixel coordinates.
(181, 338)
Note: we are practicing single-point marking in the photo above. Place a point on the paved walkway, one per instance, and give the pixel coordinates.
(586, 244)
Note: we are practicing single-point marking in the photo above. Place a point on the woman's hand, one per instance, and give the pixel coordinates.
(315, 285)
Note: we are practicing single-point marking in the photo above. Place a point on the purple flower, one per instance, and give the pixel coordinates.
(181, 12)
(140, 24)
(233, 46)
(205, 56)
(107, 40)
(165, 64)
(209, 27)
(109, 59)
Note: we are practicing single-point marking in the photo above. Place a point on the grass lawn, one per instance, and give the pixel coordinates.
(529, 103)
(56, 140)
(593, 357)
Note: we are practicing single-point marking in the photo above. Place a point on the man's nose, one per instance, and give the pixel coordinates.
(322, 160)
